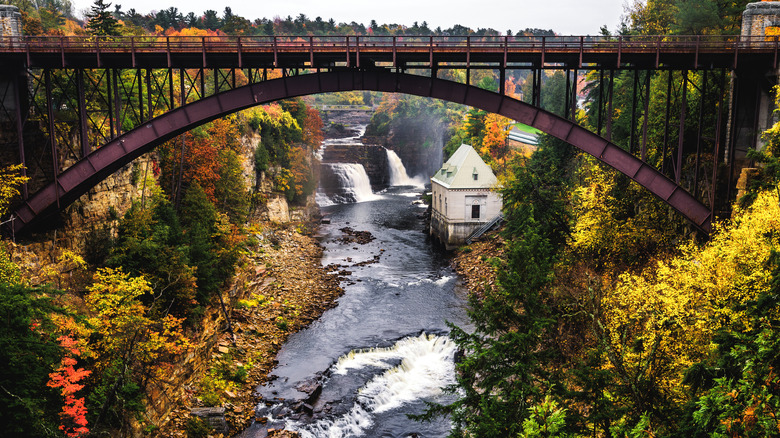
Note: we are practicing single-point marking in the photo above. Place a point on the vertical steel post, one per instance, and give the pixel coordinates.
(109, 103)
(645, 116)
(681, 134)
(55, 162)
(574, 96)
(140, 80)
(182, 98)
(567, 99)
(666, 123)
(117, 103)
(609, 103)
(715, 157)
(203, 82)
(20, 132)
(150, 108)
(699, 134)
(171, 102)
(82, 108)
(733, 131)
(601, 102)
(632, 134)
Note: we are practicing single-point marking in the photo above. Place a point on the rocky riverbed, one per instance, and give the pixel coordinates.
(284, 288)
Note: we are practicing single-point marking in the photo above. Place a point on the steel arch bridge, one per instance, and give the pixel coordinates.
(102, 92)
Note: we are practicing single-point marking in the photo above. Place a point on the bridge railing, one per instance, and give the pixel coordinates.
(146, 44)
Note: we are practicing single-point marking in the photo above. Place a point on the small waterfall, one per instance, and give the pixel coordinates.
(398, 175)
(426, 366)
(348, 182)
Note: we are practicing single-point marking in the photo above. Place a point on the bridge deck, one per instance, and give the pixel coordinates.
(689, 52)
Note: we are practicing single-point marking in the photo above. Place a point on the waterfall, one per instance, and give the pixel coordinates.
(398, 175)
(344, 183)
(426, 366)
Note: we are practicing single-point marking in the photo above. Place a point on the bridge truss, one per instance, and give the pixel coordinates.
(76, 95)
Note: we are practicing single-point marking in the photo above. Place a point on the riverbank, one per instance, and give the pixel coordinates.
(280, 288)
(474, 262)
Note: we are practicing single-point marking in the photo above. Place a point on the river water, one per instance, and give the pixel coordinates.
(383, 351)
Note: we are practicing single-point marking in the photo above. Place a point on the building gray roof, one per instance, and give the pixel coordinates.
(458, 172)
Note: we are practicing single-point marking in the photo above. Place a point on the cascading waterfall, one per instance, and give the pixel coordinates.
(398, 175)
(351, 182)
(426, 366)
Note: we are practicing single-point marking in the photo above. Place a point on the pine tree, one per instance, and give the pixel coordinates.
(101, 20)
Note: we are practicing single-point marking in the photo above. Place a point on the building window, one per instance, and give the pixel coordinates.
(475, 211)
(476, 176)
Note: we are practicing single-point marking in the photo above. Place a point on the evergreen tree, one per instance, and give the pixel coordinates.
(506, 370)
(101, 21)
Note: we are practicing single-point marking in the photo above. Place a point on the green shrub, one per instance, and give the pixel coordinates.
(197, 428)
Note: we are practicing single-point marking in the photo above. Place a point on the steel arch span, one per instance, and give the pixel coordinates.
(95, 167)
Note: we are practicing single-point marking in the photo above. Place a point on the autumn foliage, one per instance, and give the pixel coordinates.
(67, 377)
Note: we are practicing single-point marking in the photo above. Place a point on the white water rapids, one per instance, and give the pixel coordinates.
(426, 365)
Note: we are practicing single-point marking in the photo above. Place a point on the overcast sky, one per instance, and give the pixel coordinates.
(568, 17)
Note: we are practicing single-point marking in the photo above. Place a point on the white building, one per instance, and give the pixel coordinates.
(463, 200)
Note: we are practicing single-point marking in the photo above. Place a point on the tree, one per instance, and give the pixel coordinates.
(128, 347)
(505, 371)
(28, 353)
(101, 21)
(211, 20)
(67, 377)
(696, 17)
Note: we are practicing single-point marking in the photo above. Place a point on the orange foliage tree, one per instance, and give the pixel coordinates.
(494, 140)
(201, 159)
(312, 128)
(74, 413)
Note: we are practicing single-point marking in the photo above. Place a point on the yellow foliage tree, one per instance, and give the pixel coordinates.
(127, 346)
(659, 322)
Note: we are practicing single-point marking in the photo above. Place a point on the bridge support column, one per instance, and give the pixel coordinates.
(13, 86)
(752, 100)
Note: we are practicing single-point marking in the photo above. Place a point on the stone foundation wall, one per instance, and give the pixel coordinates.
(758, 16)
(10, 21)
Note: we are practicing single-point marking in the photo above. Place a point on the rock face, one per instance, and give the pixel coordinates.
(47, 259)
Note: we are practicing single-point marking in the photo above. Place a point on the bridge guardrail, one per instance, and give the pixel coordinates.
(351, 46)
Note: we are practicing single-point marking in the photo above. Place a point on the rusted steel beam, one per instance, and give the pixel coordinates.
(55, 164)
(87, 172)
(643, 155)
(20, 131)
(667, 117)
(716, 154)
(632, 136)
(117, 102)
(681, 132)
(610, 94)
(600, 102)
(109, 104)
(82, 107)
(699, 131)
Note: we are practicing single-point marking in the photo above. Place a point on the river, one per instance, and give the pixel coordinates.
(383, 351)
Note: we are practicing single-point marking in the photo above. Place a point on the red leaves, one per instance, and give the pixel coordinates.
(74, 413)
